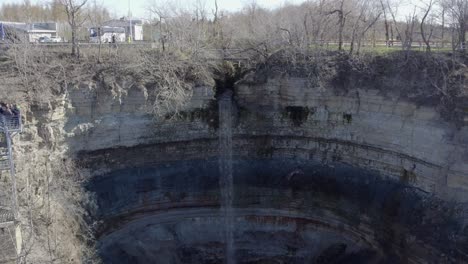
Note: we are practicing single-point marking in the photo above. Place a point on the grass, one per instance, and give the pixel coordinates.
(381, 49)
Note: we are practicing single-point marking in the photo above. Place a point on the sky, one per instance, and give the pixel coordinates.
(119, 8)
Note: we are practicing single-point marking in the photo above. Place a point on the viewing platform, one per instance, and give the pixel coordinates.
(10, 125)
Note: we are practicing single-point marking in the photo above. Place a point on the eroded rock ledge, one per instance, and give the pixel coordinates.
(289, 210)
(341, 171)
(379, 171)
(285, 116)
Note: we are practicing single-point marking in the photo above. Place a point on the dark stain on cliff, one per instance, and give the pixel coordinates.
(264, 148)
(407, 176)
(208, 115)
(297, 114)
(226, 77)
(348, 118)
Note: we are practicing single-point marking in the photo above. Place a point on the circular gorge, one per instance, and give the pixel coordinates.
(285, 211)
(317, 177)
(278, 132)
(278, 162)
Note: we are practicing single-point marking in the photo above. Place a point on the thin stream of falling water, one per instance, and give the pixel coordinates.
(225, 171)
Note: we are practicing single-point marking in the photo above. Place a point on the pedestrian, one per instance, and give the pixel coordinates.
(15, 110)
(5, 110)
(8, 109)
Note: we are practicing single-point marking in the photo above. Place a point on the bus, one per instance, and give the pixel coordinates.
(107, 34)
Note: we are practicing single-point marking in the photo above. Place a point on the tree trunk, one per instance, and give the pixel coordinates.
(100, 44)
(72, 9)
(462, 36)
(73, 53)
(306, 32)
(340, 33)
(392, 37)
(423, 35)
(387, 36)
(454, 40)
(443, 27)
(353, 36)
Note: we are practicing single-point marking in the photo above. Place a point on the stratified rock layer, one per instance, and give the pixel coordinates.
(376, 173)
(286, 210)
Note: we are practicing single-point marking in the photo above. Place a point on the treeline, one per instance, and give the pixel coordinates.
(344, 24)
(56, 11)
(52, 11)
(350, 23)
(27, 12)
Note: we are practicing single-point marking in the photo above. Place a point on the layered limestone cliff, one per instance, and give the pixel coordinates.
(321, 174)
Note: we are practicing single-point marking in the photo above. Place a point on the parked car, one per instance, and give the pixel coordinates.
(55, 39)
(43, 39)
(49, 39)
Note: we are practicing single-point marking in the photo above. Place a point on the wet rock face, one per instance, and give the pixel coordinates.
(199, 240)
(323, 175)
(354, 177)
(286, 211)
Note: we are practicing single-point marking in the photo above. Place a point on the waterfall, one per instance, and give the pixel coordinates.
(225, 172)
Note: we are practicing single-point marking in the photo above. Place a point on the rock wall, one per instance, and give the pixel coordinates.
(283, 118)
(106, 129)
(363, 128)
(395, 137)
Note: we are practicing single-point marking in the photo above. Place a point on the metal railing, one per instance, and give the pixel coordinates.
(4, 164)
(11, 123)
(6, 215)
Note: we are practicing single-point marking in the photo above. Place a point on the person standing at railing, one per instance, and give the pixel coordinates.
(5, 109)
(15, 110)
(16, 116)
(10, 116)
(9, 109)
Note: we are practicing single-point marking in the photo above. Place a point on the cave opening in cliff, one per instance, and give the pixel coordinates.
(226, 75)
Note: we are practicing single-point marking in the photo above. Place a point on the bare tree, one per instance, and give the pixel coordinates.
(306, 28)
(387, 36)
(458, 12)
(356, 26)
(319, 19)
(368, 16)
(342, 15)
(298, 26)
(97, 19)
(73, 9)
(395, 23)
(426, 38)
(409, 30)
(442, 15)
